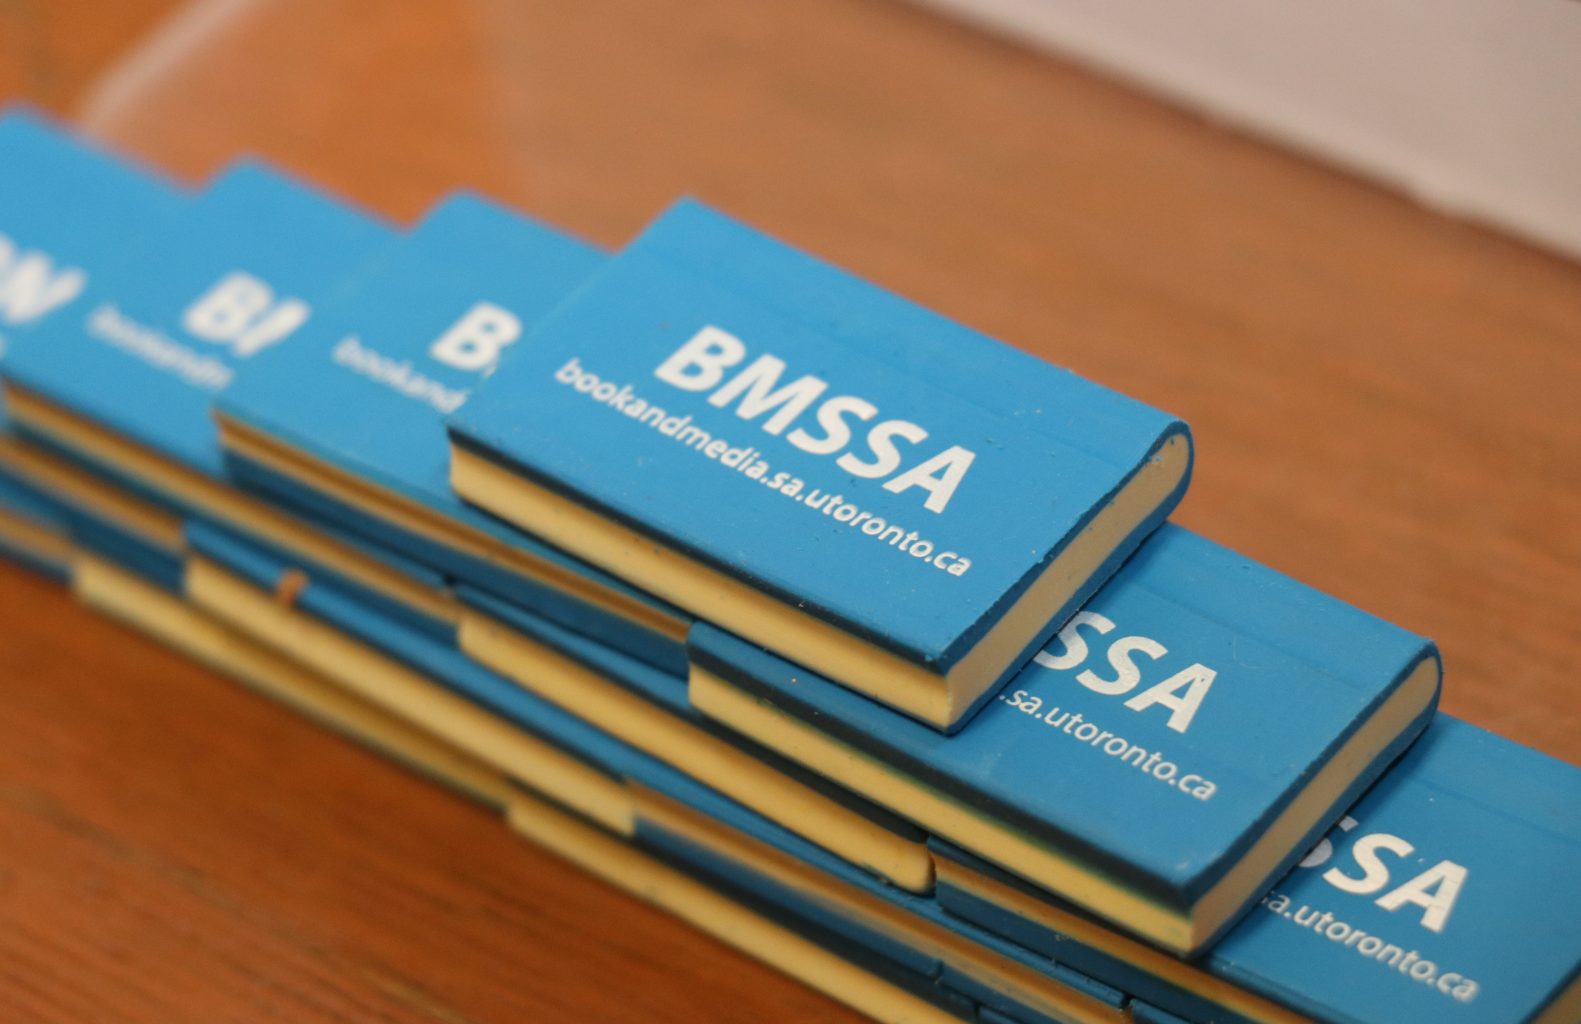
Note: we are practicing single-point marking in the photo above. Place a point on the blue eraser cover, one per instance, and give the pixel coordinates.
(1450, 893)
(1197, 692)
(819, 440)
(235, 274)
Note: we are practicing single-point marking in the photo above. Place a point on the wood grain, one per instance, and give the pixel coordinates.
(1384, 401)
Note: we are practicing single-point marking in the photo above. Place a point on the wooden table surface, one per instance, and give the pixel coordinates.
(1385, 402)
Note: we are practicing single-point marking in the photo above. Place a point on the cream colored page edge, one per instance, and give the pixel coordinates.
(406, 514)
(35, 539)
(78, 487)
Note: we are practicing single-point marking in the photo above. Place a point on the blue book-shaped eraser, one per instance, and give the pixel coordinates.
(164, 333)
(1193, 729)
(349, 417)
(68, 213)
(1451, 892)
(869, 489)
(122, 380)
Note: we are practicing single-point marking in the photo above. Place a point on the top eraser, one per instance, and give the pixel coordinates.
(877, 493)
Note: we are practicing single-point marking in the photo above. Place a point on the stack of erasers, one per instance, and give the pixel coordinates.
(849, 635)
